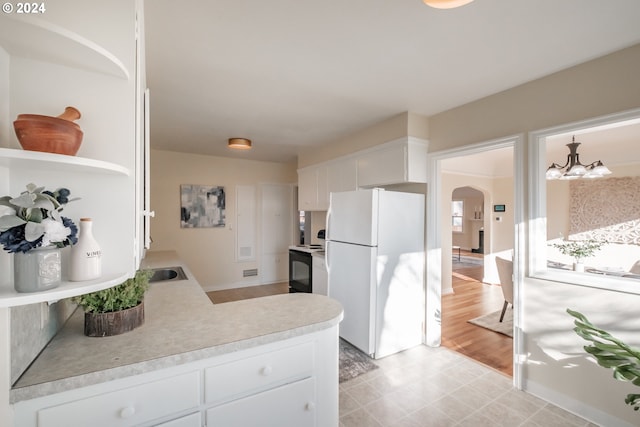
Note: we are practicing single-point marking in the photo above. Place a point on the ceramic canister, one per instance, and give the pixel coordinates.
(86, 256)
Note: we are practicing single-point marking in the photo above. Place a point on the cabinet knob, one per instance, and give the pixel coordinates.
(310, 406)
(267, 370)
(127, 412)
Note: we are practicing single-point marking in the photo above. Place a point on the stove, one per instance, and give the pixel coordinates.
(307, 248)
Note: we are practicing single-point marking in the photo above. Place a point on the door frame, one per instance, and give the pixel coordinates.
(433, 249)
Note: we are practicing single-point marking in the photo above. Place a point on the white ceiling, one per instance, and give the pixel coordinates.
(292, 73)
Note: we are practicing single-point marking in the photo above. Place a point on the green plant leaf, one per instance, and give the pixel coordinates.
(611, 353)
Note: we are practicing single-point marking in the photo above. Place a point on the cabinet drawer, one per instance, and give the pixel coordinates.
(129, 406)
(193, 420)
(292, 405)
(251, 375)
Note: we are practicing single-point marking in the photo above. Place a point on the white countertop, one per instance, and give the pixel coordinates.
(181, 325)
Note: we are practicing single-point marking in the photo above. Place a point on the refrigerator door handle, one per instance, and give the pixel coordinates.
(327, 221)
(326, 256)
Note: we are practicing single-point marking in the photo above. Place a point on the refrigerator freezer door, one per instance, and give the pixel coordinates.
(352, 283)
(353, 217)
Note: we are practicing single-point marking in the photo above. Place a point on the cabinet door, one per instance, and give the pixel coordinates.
(292, 405)
(193, 420)
(342, 175)
(307, 189)
(320, 278)
(323, 188)
(384, 166)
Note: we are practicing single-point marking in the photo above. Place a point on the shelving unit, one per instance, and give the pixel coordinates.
(36, 38)
(43, 39)
(13, 158)
(10, 298)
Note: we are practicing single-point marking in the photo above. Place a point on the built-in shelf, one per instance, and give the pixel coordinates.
(14, 158)
(10, 298)
(23, 159)
(32, 37)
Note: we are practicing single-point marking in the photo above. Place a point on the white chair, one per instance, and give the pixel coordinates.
(505, 272)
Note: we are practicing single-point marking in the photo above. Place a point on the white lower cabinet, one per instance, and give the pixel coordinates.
(293, 382)
(320, 284)
(192, 420)
(267, 409)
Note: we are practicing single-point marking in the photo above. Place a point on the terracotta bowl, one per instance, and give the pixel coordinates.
(48, 134)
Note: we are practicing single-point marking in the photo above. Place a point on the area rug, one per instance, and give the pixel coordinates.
(353, 362)
(467, 261)
(491, 321)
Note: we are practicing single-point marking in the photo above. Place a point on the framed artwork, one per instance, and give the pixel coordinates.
(202, 206)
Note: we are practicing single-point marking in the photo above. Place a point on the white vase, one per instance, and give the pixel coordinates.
(578, 266)
(86, 256)
(37, 270)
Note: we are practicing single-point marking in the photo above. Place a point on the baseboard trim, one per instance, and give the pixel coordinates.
(576, 407)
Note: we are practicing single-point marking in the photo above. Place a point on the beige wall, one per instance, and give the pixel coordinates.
(605, 85)
(553, 361)
(209, 252)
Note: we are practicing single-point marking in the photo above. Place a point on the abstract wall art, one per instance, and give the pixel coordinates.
(202, 206)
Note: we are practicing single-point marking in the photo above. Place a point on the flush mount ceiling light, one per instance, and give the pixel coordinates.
(573, 169)
(239, 143)
(446, 4)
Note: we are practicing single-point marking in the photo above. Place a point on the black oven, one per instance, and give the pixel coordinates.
(300, 271)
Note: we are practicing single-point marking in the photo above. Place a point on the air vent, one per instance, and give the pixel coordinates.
(249, 273)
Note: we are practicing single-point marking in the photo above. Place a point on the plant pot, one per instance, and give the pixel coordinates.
(37, 270)
(578, 266)
(113, 323)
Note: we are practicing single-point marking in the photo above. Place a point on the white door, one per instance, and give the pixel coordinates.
(277, 234)
(352, 279)
(353, 217)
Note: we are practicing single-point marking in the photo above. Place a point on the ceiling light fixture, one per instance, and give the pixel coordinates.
(446, 4)
(239, 143)
(573, 169)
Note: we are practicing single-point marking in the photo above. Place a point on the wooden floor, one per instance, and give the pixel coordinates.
(471, 298)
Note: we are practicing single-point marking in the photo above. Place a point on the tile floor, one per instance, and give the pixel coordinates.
(427, 386)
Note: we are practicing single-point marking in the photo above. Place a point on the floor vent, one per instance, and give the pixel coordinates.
(249, 273)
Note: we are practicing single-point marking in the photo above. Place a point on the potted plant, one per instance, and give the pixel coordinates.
(579, 249)
(115, 310)
(32, 228)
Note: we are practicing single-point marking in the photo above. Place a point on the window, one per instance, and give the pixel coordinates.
(457, 215)
(604, 210)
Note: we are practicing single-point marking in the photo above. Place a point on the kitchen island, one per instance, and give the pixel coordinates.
(195, 361)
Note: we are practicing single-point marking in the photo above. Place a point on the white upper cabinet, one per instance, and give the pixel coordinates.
(397, 162)
(86, 55)
(341, 176)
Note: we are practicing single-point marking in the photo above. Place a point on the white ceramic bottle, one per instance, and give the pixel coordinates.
(86, 256)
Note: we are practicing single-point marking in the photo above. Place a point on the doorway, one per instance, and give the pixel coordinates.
(496, 168)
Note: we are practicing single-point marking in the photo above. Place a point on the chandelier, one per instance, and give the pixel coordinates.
(573, 169)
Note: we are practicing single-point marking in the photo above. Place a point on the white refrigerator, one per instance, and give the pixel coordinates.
(375, 262)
